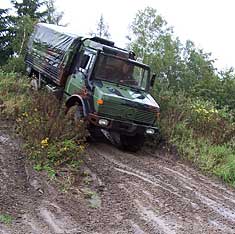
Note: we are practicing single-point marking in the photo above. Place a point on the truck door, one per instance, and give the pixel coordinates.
(77, 82)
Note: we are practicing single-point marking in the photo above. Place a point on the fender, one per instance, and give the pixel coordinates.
(77, 99)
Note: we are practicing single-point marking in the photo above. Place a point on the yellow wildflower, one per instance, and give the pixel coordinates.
(25, 114)
(44, 142)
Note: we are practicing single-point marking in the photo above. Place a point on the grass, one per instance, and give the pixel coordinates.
(5, 219)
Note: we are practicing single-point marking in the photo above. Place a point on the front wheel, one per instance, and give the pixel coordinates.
(75, 113)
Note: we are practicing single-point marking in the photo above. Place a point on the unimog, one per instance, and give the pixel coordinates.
(107, 85)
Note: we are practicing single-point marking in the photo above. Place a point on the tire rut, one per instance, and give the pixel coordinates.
(170, 197)
(33, 211)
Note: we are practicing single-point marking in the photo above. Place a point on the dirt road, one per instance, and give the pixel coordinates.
(120, 193)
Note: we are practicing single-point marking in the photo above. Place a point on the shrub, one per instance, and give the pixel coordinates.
(52, 138)
(210, 122)
(14, 93)
(201, 132)
(60, 138)
(15, 64)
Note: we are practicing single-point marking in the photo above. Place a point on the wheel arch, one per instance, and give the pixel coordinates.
(77, 99)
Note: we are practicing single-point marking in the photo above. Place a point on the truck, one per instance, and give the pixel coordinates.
(107, 85)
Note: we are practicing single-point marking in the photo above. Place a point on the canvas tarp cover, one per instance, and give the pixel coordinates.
(50, 50)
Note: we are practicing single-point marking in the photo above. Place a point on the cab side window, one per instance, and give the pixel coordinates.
(85, 62)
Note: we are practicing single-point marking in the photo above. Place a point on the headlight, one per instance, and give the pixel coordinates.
(150, 131)
(103, 122)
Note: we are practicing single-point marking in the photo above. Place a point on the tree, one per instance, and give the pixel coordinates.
(53, 16)
(23, 29)
(179, 66)
(6, 36)
(31, 8)
(28, 12)
(152, 39)
(102, 29)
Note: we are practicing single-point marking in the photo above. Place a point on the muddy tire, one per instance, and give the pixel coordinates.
(131, 143)
(75, 114)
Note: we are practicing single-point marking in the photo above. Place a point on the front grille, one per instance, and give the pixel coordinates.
(123, 112)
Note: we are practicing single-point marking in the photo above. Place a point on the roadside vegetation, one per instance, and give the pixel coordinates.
(197, 100)
(53, 140)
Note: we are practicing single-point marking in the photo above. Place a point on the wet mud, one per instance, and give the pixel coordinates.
(141, 193)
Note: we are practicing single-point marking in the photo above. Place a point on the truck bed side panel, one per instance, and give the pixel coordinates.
(50, 51)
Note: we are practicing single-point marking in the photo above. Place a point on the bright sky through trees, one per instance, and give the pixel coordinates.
(210, 23)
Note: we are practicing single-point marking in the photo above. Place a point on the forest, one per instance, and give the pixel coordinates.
(197, 100)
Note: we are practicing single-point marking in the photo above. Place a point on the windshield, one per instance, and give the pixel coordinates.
(121, 71)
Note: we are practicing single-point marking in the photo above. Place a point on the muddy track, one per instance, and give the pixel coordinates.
(131, 193)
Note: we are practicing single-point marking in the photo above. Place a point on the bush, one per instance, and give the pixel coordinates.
(60, 138)
(212, 123)
(14, 93)
(52, 138)
(15, 64)
(201, 132)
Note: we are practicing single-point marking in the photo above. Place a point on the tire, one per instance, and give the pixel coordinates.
(75, 113)
(131, 143)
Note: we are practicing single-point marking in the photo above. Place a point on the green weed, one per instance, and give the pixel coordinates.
(6, 219)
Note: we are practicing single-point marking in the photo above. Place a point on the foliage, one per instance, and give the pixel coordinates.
(60, 138)
(53, 16)
(6, 219)
(28, 12)
(5, 36)
(15, 64)
(15, 29)
(23, 28)
(13, 94)
(202, 133)
(152, 40)
(30, 8)
(53, 139)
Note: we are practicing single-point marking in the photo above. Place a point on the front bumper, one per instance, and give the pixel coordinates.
(125, 127)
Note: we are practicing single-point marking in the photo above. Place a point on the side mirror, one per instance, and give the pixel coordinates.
(85, 59)
(152, 80)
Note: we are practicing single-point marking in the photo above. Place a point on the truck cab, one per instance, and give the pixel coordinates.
(113, 90)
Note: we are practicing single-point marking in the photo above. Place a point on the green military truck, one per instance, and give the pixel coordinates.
(107, 85)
